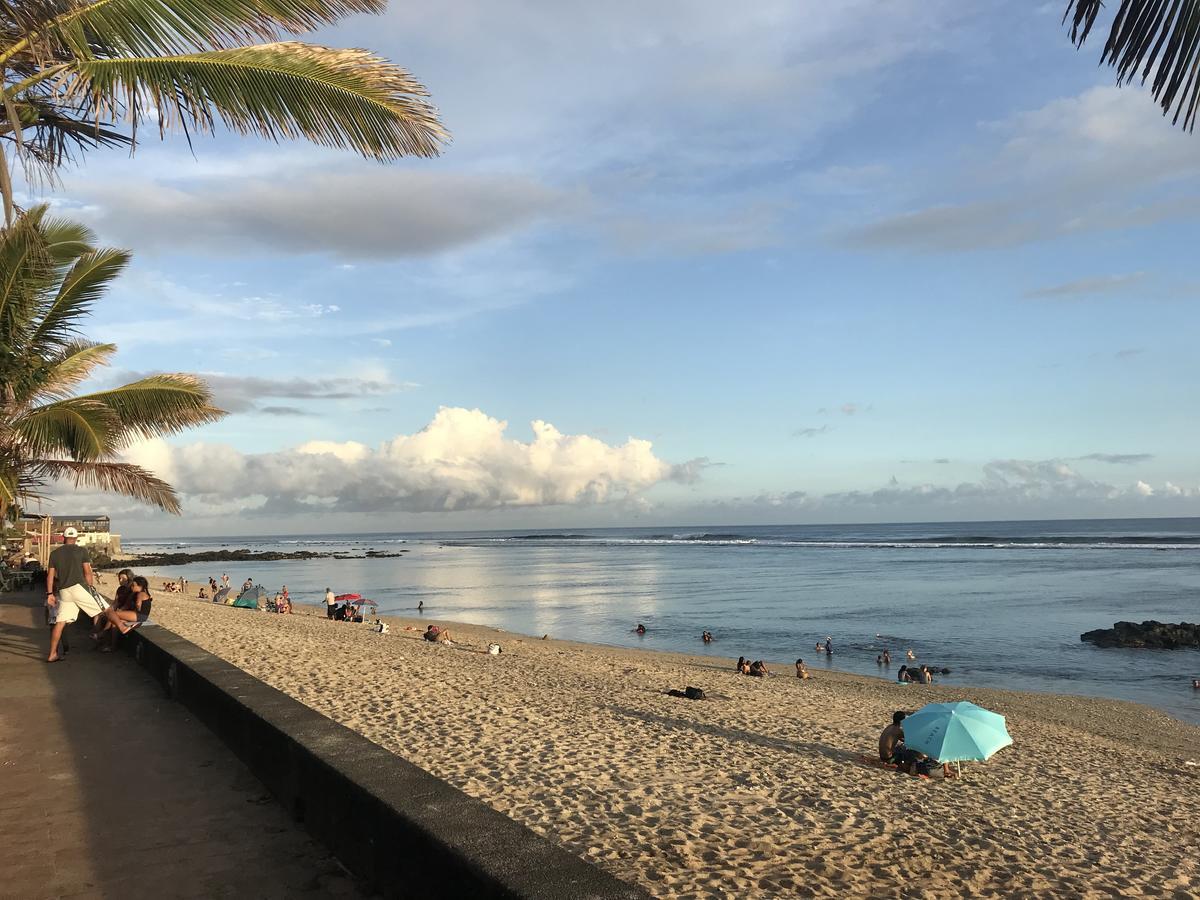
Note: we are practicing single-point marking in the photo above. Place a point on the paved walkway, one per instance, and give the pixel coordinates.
(108, 789)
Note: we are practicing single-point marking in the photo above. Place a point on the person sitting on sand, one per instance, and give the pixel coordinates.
(431, 633)
(203, 595)
(903, 676)
(926, 675)
(758, 669)
(740, 663)
(641, 629)
(891, 741)
(801, 669)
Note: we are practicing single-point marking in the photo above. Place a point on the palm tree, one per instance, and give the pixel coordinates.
(51, 273)
(81, 74)
(1150, 40)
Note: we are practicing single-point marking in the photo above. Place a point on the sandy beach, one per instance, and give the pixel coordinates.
(763, 790)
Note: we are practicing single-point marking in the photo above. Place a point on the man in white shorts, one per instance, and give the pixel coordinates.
(68, 587)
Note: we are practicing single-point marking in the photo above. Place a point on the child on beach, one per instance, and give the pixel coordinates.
(801, 669)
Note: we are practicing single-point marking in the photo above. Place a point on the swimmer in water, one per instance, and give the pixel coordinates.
(910, 654)
(641, 629)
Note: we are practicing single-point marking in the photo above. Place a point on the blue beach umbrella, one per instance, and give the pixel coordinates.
(952, 732)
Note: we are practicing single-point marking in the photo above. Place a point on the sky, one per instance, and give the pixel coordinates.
(683, 263)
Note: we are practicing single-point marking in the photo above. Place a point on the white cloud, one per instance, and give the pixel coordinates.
(1003, 482)
(366, 213)
(462, 460)
(1102, 160)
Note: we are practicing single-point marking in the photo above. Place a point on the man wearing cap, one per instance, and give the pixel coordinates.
(68, 586)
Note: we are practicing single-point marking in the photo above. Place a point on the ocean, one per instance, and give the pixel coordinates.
(1000, 604)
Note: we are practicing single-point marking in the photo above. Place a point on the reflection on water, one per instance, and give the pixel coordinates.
(1002, 615)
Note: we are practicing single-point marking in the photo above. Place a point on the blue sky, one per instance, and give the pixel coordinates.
(800, 262)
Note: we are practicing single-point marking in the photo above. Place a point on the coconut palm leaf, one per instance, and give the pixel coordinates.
(157, 405)
(71, 367)
(118, 478)
(145, 27)
(74, 426)
(50, 276)
(337, 98)
(85, 282)
(1150, 40)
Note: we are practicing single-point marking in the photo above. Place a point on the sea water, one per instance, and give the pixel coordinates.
(998, 603)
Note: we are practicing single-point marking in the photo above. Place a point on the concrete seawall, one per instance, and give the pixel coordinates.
(400, 829)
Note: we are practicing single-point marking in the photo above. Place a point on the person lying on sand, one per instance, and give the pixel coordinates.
(437, 635)
(801, 669)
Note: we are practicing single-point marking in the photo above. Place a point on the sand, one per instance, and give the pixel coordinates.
(761, 790)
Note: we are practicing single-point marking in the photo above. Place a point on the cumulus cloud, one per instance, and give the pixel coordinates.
(462, 460)
(369, 213)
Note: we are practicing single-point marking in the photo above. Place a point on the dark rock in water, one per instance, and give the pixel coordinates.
(1151, 635)
(235, 556)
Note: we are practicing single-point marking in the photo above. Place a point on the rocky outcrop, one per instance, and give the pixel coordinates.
(1152, 635)
(236, 556)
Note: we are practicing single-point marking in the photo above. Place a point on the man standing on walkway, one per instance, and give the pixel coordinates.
(68, 587)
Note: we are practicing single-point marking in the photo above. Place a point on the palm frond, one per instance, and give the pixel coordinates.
(1150, 40)
(26, 268)
(85, 282)
(157, 405)
(152, 27)
(118, 478)
(336, 98)
(77, 427)
(70, 368)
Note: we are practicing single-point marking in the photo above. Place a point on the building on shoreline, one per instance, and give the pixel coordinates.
(42, 533)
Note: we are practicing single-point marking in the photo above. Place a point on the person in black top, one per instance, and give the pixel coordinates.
(134, 611)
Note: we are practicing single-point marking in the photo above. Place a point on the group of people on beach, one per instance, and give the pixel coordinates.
(71, 589)
(893, 752)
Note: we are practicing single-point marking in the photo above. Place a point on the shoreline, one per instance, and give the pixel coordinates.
(765, 789)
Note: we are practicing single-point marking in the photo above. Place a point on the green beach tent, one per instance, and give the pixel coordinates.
(250, 597)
